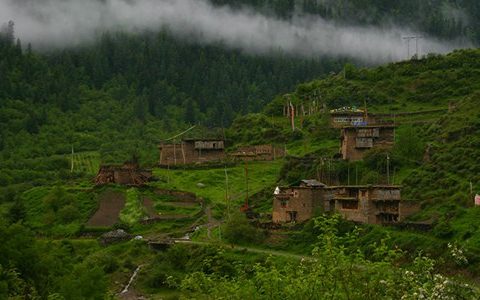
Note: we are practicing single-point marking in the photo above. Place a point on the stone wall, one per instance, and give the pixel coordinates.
(191, 152)
(127, 174)
(296, 204)
(408, 208)
(356, 141)
(363, 204)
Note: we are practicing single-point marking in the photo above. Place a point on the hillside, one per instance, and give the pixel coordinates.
(184, 232)
(446, 19)
(434, 102)
(105, 101)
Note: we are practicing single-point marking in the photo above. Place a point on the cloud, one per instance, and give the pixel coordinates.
(67, 23)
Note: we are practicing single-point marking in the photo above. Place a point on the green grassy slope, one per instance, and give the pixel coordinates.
(211, 184)
(446, 89)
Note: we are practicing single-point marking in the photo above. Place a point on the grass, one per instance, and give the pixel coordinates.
(133, 210)
(210, 184)
(42, 217)
(86, 162)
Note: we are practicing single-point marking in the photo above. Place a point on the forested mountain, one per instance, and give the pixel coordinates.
(126, 92)
(448, 19)
(64, 112)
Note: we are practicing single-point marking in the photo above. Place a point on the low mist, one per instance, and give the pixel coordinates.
(69, 23)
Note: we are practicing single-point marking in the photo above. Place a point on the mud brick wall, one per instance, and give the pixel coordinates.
(186, 153)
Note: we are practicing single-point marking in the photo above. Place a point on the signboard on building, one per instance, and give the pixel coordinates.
(350, 120)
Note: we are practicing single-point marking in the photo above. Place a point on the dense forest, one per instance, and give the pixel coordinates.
(115, 99)
(448, 19)
(125, 93)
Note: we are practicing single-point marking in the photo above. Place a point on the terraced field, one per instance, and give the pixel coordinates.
(108, 213)
(86, 162)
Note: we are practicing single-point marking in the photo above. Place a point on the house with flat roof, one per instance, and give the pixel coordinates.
(299, 203)
(369, 204)
(357, 140)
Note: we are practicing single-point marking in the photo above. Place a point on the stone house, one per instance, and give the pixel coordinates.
(300, 203)
(357, 140)
(364, 204)
(126, 174)
(372, 204)
(191, 151)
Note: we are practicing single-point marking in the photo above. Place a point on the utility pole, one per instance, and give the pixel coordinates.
(416, 44)
(71, 161)
(227, 199)
(292, 116)
(245, 206)
(246, 183)
(408, 39)
(471, 190)
(394, 126)
(388, 169)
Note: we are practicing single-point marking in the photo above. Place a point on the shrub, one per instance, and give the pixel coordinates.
(238, 230)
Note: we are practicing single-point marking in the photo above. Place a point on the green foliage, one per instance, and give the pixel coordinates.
(81, 98)
(260, 174)
(238, 230)
(409, 147)
(133, 210)
(332, 272)
(31, 269)
(84, 282)
(171, 266)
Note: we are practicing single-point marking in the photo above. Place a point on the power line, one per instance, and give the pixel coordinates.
(181, 133)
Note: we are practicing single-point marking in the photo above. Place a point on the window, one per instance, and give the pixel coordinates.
(349, 204)
(292, 216)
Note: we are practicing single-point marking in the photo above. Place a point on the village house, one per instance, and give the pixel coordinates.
(257, 152)
(357, 140)
(191, 151)
(370, 204)
(126, 174)
(299, 203)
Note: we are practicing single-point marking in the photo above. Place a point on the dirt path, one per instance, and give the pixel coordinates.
(111, 203)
